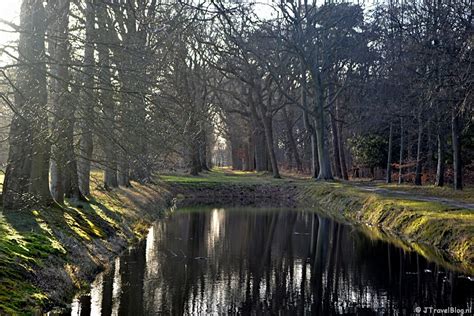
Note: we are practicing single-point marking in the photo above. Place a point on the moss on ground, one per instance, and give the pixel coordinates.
(47, 254)
(424, 226)
(421, 223)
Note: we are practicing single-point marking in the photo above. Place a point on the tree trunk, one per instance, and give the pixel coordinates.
(440, 164)
(17, 174)
(39, 176)
(203, 149)
(342, 155)
(308, 125)
(400, 168)
(314, 146)
(107, 103)
(71, 175)
(324, 161)
(457, 161)
(389, 157)
(291, 141)
(87, 98)
(418, 150)
(251, 152)
(335, 146)
(195, 161)
(235, 147)
(123, 172)
(64, 177)
(430, 154)
(267, 124)
(259, 139)
(28, 160)
(325, 172)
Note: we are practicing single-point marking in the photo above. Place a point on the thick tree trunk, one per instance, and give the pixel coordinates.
(324, 161)
(267, 124)
(457, 161)
(260, 150)
(389, 156)
(107, 103)
(291, 141)
(87, 98)
(28, 160)
(39, 176)
(195, 167)
(17, 174)
(123, 172)
(71, 179)
(235, 147)
(267, 121)
(203, 149)
(400, 168)
(259, 139)
(314, 146)
(64, 176)
(308, 125)
(325, 172)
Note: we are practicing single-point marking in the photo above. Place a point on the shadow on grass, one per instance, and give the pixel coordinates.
(46, 252)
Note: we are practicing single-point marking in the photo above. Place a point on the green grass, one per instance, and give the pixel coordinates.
(67, 241)
(25, 243)
(46, 238)
(226, 176)
(425, 223)
(465, 195)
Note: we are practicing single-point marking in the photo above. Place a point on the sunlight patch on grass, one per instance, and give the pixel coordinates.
(54, 242)
(72, 223)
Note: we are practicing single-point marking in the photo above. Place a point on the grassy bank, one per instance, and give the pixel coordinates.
(46, 255)
(420, 223)
(422, 226)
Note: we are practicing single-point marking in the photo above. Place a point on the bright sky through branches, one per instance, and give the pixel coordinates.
(9, 12)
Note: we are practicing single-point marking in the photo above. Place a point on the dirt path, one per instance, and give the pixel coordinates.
(417, 197)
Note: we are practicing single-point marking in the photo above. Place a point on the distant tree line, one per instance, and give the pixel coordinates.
(135, 86)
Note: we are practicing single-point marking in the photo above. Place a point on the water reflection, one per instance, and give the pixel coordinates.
(269, 262)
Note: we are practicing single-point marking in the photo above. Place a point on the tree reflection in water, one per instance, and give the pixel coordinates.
(239, 261)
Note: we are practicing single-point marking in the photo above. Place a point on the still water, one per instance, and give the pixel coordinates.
(272, 262)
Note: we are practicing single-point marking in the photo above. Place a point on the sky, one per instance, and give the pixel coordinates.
(9, 12)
